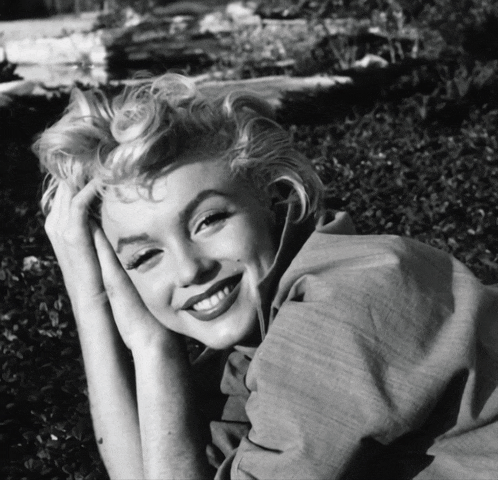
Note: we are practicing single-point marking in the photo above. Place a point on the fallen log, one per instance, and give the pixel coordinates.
(271, 88)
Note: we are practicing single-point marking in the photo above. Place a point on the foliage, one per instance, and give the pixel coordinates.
(398, 173)
(305, 41)
(465, 26)
(116, 16)
(45, 428)
(416, 157)
(269, 49)
(462, 23)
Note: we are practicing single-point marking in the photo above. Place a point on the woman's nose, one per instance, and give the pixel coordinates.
(193, 266)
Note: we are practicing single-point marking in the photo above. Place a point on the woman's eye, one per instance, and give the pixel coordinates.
(141, 259)
(211, 220)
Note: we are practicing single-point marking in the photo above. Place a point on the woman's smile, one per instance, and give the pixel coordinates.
(215, 301)
(195, 250)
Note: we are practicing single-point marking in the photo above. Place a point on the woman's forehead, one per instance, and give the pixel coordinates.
(171, 193)
(179, 178)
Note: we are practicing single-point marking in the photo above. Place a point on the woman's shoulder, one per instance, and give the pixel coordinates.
(343, 258)
(385, 277)
(367, 334)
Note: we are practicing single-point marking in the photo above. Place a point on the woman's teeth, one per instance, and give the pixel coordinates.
(213, 300)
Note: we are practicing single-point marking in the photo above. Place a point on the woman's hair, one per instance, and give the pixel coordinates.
(137, 135)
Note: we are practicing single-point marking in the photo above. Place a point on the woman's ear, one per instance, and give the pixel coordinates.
(276, 196)
(272, 197)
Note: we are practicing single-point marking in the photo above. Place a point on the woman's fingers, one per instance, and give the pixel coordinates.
(69, 206)
(115, 278)
(134, 321)
(67, 221)
(60, 206)
(137, 326)
(67, 227)
(83, 199)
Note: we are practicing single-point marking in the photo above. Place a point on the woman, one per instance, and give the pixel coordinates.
(344, 356)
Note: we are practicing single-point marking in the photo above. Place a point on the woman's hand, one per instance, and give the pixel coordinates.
(109, 372)
(138, 327)
(169, 427)
(68, 229)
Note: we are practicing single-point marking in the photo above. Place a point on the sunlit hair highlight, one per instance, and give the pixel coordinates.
(138, 135)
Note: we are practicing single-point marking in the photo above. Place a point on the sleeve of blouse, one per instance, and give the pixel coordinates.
(366, 368)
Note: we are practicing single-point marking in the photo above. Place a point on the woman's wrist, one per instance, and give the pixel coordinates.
(87, 302)
(161, 344)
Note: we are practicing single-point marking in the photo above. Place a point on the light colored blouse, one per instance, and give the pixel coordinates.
(380, 360)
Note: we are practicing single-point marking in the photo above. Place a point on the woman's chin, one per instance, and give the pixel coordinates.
(229, 332)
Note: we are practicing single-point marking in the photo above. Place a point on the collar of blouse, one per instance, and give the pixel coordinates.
(292, 239)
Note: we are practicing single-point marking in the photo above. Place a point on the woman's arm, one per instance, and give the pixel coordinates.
(107, 366)
(169, 424)
(111, 390)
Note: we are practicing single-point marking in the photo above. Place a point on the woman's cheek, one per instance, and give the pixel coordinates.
(154, 294)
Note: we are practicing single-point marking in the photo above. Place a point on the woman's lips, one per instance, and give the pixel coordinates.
(228, 289)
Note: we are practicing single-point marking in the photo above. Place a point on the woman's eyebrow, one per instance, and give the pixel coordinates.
(189, 209)
(132, 239)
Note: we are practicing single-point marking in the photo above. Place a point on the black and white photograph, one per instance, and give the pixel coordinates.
(249, 240)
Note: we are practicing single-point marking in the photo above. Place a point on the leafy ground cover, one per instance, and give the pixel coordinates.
(44, 422)
(412, 151)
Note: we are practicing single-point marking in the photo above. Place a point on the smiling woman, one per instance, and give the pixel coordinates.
(175, 215)
(196, 251)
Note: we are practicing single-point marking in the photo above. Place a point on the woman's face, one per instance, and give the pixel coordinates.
(199, 248)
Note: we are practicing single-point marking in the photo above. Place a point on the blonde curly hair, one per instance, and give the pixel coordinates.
(137, 135)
